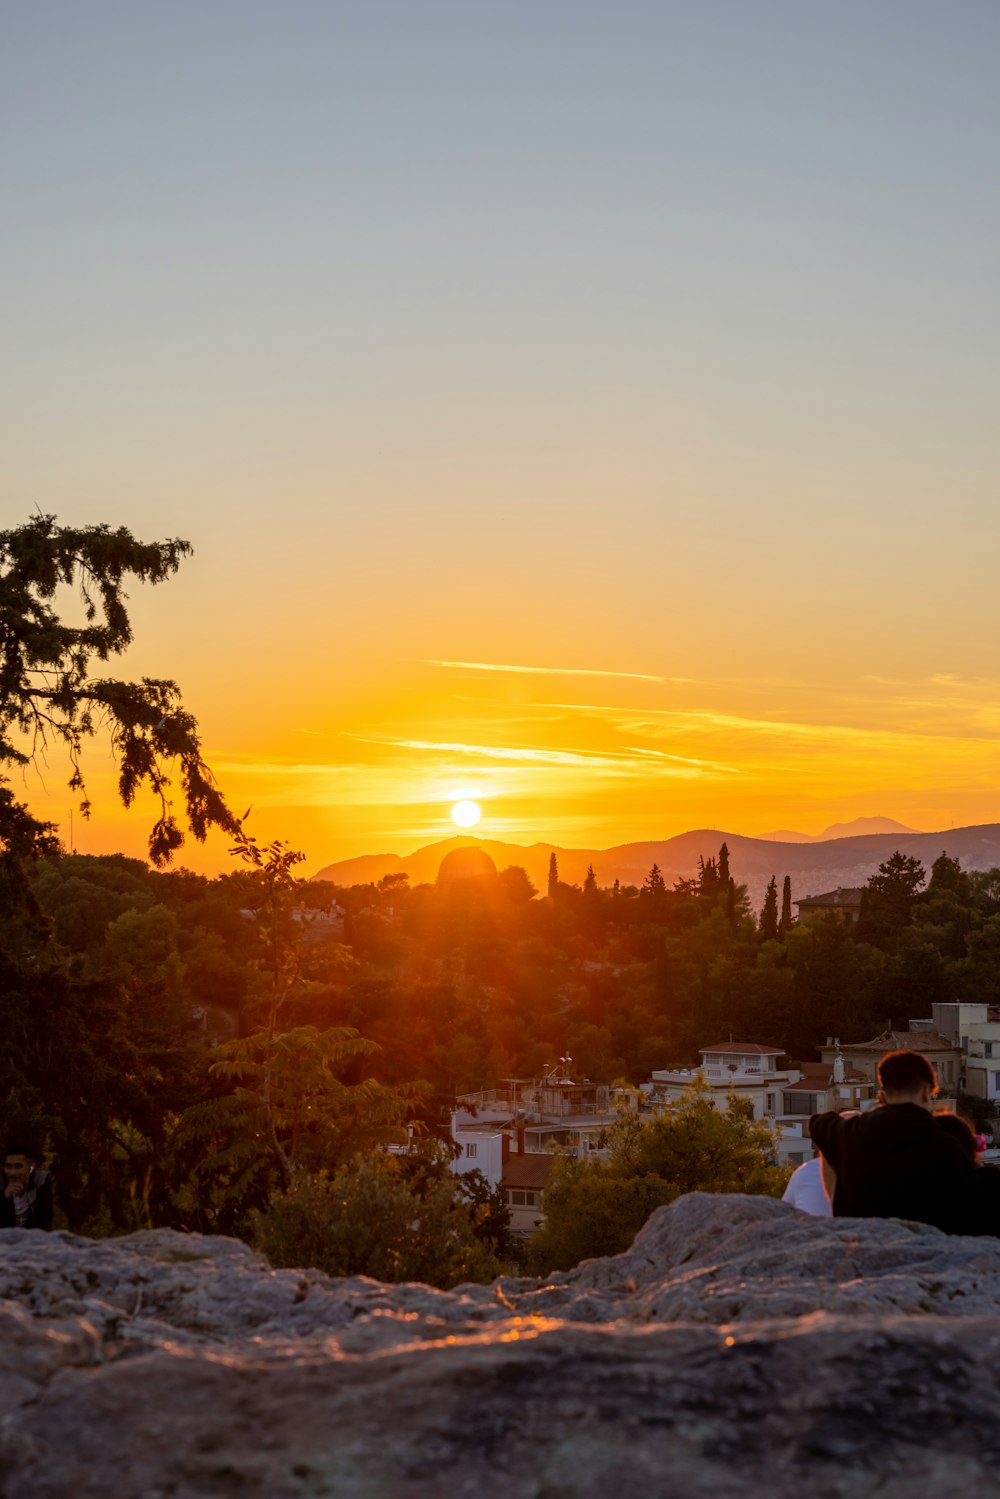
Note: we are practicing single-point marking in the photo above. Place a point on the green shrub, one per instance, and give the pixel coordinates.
(370, 1219)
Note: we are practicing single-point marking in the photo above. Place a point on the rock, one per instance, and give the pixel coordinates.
(738, 1348)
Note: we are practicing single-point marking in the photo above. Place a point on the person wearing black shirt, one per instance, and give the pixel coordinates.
(895, 1162)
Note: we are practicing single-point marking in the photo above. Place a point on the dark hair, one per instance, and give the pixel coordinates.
(18, 1147)
(905, 1072)
(960, 1129)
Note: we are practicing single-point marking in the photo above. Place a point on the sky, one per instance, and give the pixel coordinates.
(587, 409)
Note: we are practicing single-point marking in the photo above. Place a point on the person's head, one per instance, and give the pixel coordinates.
(961, 1132)
(906, 1077)
(17, 1162)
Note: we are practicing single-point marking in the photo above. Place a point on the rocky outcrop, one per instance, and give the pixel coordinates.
(738, 1348)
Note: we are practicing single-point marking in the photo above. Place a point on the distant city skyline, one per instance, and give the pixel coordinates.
(586, 411)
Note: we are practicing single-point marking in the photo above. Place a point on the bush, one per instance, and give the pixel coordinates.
(597, 1207)
(369, 1219)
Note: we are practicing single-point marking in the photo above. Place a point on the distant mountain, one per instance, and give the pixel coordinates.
(422, 865)
(786, 835)
(856, 829)
(862, 825)
(814, 867)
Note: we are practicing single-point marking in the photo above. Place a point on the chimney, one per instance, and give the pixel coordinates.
(504, 1149)
(520, 1139)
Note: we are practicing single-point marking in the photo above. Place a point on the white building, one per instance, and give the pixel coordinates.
(481, 1146)
(545, 1114)
(504, 1160)
(781, 1094)
(974, 1029)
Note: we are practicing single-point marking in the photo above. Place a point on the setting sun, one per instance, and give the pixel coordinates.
(465, 814)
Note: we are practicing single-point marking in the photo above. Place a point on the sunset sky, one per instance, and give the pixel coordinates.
(588, 409)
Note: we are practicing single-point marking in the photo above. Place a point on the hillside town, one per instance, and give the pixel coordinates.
(512, 1133)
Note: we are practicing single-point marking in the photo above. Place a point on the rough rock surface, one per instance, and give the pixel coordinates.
(738, 1348)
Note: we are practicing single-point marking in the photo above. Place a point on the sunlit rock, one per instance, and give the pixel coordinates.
(737, 1348)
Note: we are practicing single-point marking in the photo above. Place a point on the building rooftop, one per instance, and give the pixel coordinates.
(743, 1049)
(530, 1169)
(568, 1121)
(820, 1075)
(904, 1041)
(838, 899)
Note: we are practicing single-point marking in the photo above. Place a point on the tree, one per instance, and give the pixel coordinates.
(785, 924)
(590, 883)
(708, 879)
(769, 912)
(515, 885)
(48, 696)
(888, 898)
(723, 866)
(287, 1107)
(553, 874)
(948, 877)
(374, 1218)
(597, 1207)
(654, 885)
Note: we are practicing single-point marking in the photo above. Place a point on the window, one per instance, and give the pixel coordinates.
(517, 1199)
(801, 1103)
(988, 1049)
(470, 1151)
(770, 1103)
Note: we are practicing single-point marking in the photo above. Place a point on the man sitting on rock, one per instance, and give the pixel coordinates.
(27, 1191)
(896, 1162)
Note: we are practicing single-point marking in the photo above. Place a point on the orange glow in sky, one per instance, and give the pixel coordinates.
(589, 415)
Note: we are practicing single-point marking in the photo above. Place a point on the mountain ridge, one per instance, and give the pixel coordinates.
(813, 867)
(854, 829)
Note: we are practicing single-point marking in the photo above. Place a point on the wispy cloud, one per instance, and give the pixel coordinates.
(716, 765)
(626, 762)
(552, 671)
(659, 720)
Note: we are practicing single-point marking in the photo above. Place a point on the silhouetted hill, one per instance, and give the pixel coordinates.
(813, 867)
(862, 825)
(855, 829)
(423, 864)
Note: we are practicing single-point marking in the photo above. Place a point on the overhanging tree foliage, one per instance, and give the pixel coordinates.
(48, 697)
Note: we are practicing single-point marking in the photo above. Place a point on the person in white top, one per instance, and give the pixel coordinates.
(806, 1191)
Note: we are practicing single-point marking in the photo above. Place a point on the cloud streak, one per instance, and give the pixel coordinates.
(625, 762)
(551, 671)
(649, 720)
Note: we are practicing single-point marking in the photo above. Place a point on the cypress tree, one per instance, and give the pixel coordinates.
(553, 874)
(769, 912)
(784, 925)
